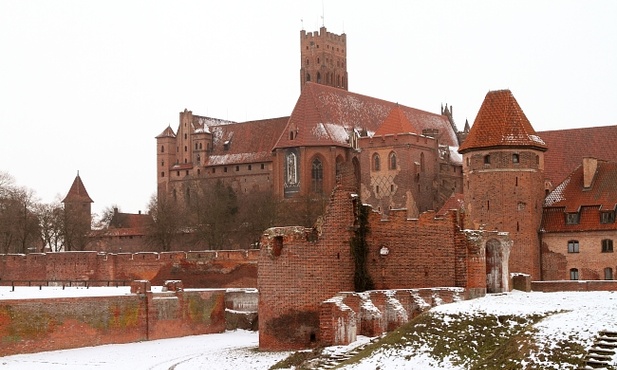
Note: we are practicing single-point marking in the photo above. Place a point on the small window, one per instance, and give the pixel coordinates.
(608, 273)
(163, 174)
(237, 168)
(187, 172)
(572, 218)
(487, 159)
(186, 148)
(263, 166)
(250, 167)
(515, 158)
(185, 135)
(224, 169)
(573, 274)
(162, 148)
(607, 217)
(177, 173)
(376, 162)
(573, 246)
(213, 170)
(607, 246)
(392, 161)
(196, 146)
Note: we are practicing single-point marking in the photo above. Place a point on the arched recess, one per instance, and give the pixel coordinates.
(497, 256)
(392, 161)
(376, 162)
(317, 170)
(339, 167)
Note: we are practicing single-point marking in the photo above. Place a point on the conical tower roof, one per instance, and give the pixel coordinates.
(77, 193)
(501, 123)
(396, 123)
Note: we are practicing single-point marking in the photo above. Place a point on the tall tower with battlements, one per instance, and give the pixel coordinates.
(323, 58)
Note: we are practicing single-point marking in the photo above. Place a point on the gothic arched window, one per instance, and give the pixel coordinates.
(376, 162)
(392, 161)
(317, 176)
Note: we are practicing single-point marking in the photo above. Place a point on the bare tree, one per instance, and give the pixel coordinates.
(167, 223)
(214, 209)
(19, 224)
(51, 218)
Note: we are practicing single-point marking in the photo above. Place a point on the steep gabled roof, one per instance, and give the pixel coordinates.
(324, 116)
(168, 132)
(396, 123)
(456, 202)
(567, 148)
(77, 193)
(571, 196)
(501, 123)
(247, 142)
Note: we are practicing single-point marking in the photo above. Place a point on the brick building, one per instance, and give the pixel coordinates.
(578, 224)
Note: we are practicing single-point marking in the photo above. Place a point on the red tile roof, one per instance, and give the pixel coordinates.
(324, 116)
(247, 142)
(567, 148)
(570, 196)
(168, 132)
(396, 123)
(501, 122)
(456, 201)
(130, 220)
(77, 192)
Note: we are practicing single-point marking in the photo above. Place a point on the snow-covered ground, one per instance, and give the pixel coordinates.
(579, 317)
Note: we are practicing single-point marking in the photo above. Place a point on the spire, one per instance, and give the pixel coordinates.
(77, 192)
(501, 123)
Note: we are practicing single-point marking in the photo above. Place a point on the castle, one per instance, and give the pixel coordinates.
(418, 202)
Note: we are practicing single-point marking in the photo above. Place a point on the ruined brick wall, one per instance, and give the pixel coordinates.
(205, 269)
(590, 261)
(299, 268)
(372, 313)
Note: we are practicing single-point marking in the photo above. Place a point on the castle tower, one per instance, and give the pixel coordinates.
(503, 178)
(165, 159)
(323, 57)
(77, 215)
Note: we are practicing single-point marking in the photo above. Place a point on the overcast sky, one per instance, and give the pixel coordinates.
(87, 85)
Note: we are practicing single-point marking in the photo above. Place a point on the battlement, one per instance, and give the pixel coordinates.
(212, 269)
(324, 34)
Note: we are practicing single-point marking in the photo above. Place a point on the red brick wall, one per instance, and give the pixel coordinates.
(575, 286)
(298, 271)
(206, 269)
(507, 196)
(35, 325)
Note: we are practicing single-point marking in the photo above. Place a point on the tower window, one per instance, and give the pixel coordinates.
(250, 167)
(263, 166)
(487, 159)
(237, 168)
(162, 148)
(573, 246)
(515, 158)
(163, 174)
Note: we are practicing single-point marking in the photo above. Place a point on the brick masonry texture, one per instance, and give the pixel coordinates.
(205, 269)
(34, 325)
(299, 268)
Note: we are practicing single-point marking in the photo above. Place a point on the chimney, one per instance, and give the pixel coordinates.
(590, 165)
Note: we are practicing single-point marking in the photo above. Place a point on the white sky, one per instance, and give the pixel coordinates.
(88, 85)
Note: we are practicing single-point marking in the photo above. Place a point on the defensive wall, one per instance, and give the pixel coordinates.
(34, 325)
(299, 268)
(574, 285)
(199, 269)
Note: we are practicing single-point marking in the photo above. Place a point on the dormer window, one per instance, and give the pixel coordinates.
(226, 145)
(607, 217)
(572, 218)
